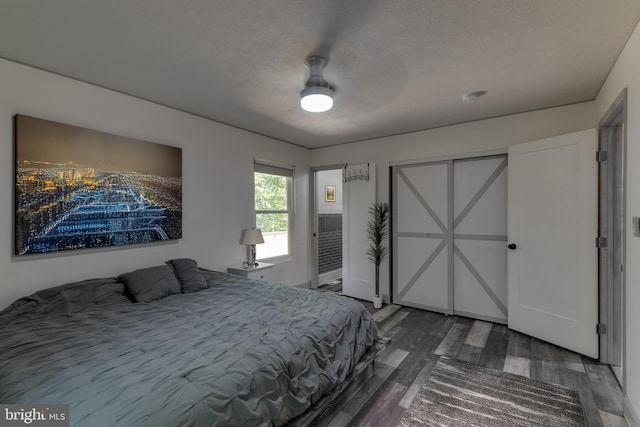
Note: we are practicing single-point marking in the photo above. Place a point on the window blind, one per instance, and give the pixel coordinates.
(264, 166)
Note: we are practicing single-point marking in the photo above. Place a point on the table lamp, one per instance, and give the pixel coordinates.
(251, 237)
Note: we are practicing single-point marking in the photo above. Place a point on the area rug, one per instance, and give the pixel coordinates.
(462, 394)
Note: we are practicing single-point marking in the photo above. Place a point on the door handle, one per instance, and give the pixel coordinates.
(512, 246)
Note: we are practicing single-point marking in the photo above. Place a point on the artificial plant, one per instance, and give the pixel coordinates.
(377, 231)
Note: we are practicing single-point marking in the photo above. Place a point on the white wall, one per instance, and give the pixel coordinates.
(217, 182)
(625, 74)
(485, 135)
(329, 177)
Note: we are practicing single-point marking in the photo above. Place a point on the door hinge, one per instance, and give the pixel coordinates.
(601, 156)
(601, 328)
(601, 242)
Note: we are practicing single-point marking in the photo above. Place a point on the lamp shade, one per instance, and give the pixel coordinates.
(251, 236)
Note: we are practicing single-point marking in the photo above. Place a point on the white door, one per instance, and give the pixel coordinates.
(552, 221)
(422, 236)
(480, 237)
(358, 194)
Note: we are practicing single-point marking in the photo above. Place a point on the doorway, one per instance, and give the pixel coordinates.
(328, 218)
(353, 187)
(611, 157)
(326, 213)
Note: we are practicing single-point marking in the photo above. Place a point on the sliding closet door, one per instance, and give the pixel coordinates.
(422, 239)
(449, 235)
(480, 238)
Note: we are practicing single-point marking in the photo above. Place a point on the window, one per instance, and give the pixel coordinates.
(273, 209)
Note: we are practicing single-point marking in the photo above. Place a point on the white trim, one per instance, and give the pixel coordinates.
(483, 153)
(630, 413)
(261, 168)
(313, 229)
(276, 259)
(329, 276)
(328, 167)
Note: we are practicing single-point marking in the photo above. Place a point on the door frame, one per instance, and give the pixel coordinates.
(313, 221)
(612, 302)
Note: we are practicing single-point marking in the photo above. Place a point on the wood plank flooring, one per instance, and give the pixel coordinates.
(419, 338)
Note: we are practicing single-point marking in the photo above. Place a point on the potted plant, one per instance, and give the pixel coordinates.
(377, 231)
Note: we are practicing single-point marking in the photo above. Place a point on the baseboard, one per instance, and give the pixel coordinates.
(630, 413)
(303, 285)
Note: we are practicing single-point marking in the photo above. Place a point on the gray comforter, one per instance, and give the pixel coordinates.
(240, 353)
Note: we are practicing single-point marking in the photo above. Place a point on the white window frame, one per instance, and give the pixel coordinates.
(266, 167)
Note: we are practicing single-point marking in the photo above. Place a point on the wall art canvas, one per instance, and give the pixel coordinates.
(77, 188)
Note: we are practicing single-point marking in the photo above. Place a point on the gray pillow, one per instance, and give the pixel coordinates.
(189, 274)
(149, 284)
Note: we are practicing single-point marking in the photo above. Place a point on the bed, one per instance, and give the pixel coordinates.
(225, 351)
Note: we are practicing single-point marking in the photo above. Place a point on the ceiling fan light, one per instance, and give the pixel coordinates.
(316, 99)
(317, 95)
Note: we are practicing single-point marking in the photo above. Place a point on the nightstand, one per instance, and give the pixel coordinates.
(260, 272)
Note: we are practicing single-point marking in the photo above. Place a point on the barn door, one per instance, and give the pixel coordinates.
(449, 236)
(422, 236)
(552, 264)
(480, 238)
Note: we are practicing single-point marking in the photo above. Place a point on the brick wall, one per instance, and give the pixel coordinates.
(329, 242)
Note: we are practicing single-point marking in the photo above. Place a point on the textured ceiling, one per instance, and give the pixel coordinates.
(397, 66)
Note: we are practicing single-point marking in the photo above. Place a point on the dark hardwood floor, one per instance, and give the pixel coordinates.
(419, 338)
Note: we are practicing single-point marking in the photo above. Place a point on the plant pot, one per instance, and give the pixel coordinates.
(377, 301)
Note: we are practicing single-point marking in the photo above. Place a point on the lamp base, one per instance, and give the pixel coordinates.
(252, 256)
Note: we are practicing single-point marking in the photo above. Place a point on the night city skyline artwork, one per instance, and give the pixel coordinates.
(77, 188)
